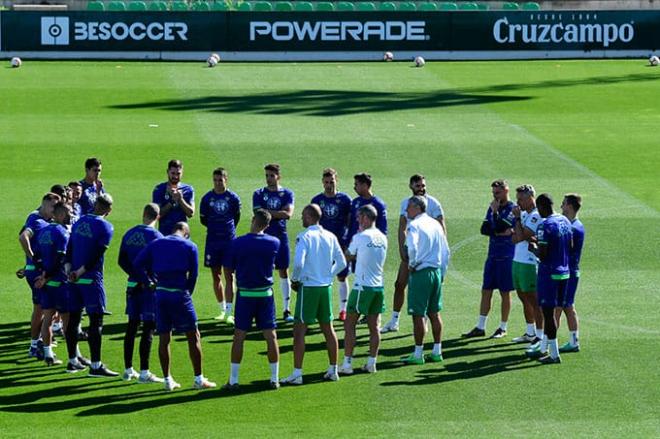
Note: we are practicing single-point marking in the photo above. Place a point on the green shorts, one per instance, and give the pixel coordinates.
(425, 292)
(314, 304)
(366, 300)
(524, 277)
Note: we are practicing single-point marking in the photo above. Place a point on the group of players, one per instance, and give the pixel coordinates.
(65, 240)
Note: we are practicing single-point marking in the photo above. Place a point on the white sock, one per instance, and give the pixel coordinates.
(129, 371)
(574, 338)
(233, 374)
(371, 361)
(48, 351)
(34, 343)
(297, 372)
(74, 361)
(503, 326)
(348, 361)
(229, 307)
(199, 378)
(144, 373)
(343, 295)
(332, 368)
(554, 348)
(285, 286)
(539, 333)
(481, 324)
(275, 372)
(437, 348)
(222, 306)
(395, 316)
(544, 343)
(530, 329)
(96, 364)
(169, 379)
(419, 351)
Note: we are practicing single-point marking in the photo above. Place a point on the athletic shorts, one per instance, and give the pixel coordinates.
(140, 303)
(174, 311)
(69, 298)
(571, 289)
(30, 276)
(524, 277)
(550, 292)
(314, 304)
(215, 252)
(282, 256)
(257, 306)
(366, 300)
(92, 292)
(424, 292)
(497, 274)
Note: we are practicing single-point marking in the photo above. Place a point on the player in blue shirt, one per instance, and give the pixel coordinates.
(90, 238)
(171, 264)
(91, 185)
(335, 217)
(76, 194)
(36, 221)
(365, 196)
(498, 226)
(279, 202)
(252, 257)
(176, 199)
(554, 238)
(219, 212)
(139, 298)
(569, 208)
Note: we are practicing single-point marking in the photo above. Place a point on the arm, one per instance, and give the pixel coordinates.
(186, 205)
(441, 220)
(411, 244)
(299, 259)
(351, 251)
(403, 222)
(284, 214)
(24, 240)
(338, 257)
(193, 265)
(381, 221)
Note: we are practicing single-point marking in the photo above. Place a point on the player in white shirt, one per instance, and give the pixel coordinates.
(369, 249)
(434, 210)
(524, 265)
(318, 260)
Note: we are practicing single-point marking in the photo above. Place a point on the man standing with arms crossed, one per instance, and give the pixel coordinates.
(369, 249)
(527, 221)
(91, 185)
(434, 209)
(318, 260)
(279, 202)
(252, 257)
(424, 242)
(498, 226)
(175, 199)
(140, 306)
(336, 208)
(219, 212)
(172, 262)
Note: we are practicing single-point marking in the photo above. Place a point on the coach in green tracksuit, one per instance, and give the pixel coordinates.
(428, 255)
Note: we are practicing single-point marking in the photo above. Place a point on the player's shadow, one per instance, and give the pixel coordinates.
(322, 103)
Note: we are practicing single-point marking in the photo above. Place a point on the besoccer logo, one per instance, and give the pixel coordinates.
(54, 31)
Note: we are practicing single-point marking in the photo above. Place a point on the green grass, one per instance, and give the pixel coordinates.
(585, 126)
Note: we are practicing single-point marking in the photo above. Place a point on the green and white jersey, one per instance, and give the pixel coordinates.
(530, 221)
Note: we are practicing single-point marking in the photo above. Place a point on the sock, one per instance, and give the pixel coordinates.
(199, 378)
(144, 373)
(395, 316)
(129, 370)
(539, 333)
(503, 326)
(437, 348)
(34, 343)
(419, 351)
(481, 324)
(96, 364)
(530, 329)
(574, 338)
(222, 306)
(275, 372)
(169, 379)
(554, 348)
(285, 286)
(348, 361)
(371, 361)
(343, 295)
(229, 308)
(233, 375)
(74, 361)
(332, 369)
(544, 343)
(297, 372)
(48, 352)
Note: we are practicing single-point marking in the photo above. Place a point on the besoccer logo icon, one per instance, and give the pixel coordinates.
(55, 31)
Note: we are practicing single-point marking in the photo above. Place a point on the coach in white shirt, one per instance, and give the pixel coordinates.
(428, 256)
(318, 260)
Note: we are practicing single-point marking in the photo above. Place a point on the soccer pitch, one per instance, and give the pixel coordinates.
(564, 126)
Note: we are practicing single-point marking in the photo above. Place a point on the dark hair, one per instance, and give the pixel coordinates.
(500, 182)
(526, 189)
(58, 189)
(92, 162)
(73, 184)
(329, 172)
(174, 164)
(220, 171)
(180, 226)
(574, 200)
(273, 167)
(415, 178)
(363, 178)
(103, 201)
(262, 218)
(50, 196)
(151, 211)
(544, 201)
(369, 211)
(60, 205)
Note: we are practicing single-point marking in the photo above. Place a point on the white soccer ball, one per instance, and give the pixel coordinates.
(216, 56)
(654, 60)
(212, 61)
(16, 62)
(419, 61)
(388, 56)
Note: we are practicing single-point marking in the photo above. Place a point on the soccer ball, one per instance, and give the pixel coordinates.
(654, 60)
(216, 56)
(388, 56)
(212, 61)
(419, 61)
(16, 62)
